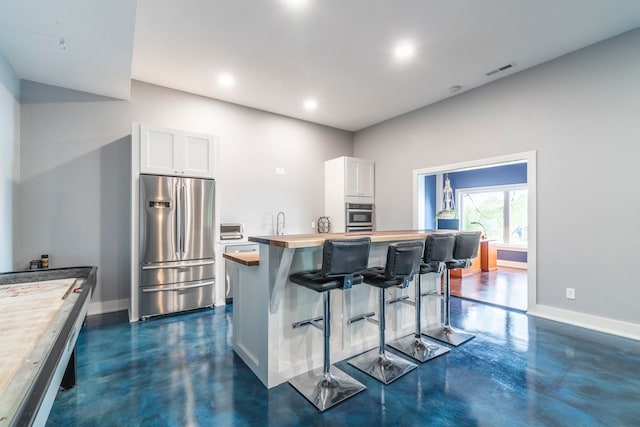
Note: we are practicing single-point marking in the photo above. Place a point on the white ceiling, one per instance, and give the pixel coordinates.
(337, 51)
(98, 38)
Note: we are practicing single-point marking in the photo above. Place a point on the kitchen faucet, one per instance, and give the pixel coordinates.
(484, 231)
(280, 224)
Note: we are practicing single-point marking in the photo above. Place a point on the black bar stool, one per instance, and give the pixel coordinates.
(342, 263)
(403, 261)
(438, 248)
(466, 248)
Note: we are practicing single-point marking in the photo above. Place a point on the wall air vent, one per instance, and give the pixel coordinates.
(499, 69)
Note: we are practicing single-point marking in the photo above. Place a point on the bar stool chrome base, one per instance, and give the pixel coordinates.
(383, 367)
(324, 390)
(448, 335)
(418, 348)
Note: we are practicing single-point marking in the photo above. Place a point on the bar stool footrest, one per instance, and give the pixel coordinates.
(432, 294)
(316, 321)
(367, 316)
(419, 348)
(448, 335)
(325, 390)
(383, 367)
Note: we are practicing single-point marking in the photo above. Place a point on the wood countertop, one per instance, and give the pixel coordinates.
(249, 259)
(317, 239)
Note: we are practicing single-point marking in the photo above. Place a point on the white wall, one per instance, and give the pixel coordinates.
(9, 160)
(581, 114)
(253, 144)
(74, 187)
(76, 161)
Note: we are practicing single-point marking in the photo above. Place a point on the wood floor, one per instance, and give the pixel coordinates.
(505, 287)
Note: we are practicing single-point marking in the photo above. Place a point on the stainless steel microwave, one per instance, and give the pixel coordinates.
(360, 215)
(232, 231)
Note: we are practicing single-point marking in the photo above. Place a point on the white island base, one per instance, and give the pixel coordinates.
(266, 304)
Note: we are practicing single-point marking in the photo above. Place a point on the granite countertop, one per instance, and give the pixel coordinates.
(317, 239)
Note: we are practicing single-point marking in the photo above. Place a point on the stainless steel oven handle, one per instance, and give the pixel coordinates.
(181, 288)
(359, 229)
(181, 265)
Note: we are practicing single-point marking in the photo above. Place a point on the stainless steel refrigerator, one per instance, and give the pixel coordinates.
(177, 260)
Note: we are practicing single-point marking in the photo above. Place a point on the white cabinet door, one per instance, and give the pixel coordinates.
(359, 177)
(366, 178)
(159, 151)
(351, 177)
(198, 155)
(173, 152)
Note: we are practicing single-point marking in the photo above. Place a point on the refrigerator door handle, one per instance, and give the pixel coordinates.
(178, 222)
(177, 289)
(183, 209)
(175, 265)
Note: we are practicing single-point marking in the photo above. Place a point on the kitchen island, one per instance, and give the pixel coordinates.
(266, 305)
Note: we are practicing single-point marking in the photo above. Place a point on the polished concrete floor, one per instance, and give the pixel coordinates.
(518, 371)
(504, 287)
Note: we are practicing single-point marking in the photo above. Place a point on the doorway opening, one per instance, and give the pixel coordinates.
(496, 196)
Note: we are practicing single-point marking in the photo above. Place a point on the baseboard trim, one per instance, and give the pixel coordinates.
(512, 264)
(596, 323)
(102, 307)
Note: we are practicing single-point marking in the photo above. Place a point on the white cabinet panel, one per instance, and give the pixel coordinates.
(365, 178)
(199, 155)
(359, 177)
(158, 150)
(351, 177)
(174, 152)
(346, 180)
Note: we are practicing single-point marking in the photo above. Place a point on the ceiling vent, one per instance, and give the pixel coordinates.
(500, 69)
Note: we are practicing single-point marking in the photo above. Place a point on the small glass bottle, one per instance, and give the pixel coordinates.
(45, 261)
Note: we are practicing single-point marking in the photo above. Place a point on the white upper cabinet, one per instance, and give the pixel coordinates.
(359, 177)
(198, 155)
(175, 152)
(346, 180)
(159, 150)
(349, 179)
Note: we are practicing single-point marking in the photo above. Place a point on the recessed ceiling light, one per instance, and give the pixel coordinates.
(454, 89)
(296, 4)
(310, 104)
(226, 80)
(404, 51)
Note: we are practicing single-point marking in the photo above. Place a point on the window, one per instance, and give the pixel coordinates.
(501, 211)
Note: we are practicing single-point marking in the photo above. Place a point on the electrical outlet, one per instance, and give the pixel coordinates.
(313, 224)
(279, 171)
(571, 293)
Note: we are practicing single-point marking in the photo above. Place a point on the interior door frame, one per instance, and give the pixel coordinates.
(530, 158)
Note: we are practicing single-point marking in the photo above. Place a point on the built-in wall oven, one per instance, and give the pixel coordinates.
(360, 217)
